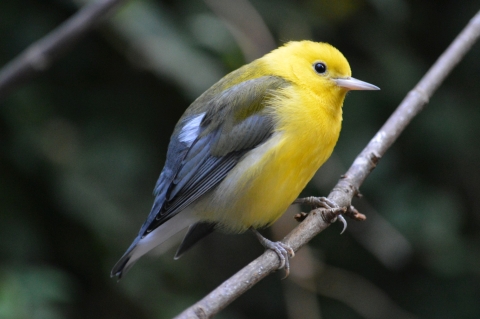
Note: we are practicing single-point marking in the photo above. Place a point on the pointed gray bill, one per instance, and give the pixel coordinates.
(354, 84)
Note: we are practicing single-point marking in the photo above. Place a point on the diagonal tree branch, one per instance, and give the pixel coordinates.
(40, 55)
(348, 185)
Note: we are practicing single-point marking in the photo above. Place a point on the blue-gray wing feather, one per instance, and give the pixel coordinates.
(194, 167)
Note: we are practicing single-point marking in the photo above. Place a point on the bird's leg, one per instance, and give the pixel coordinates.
(283, 251)
(328, 207)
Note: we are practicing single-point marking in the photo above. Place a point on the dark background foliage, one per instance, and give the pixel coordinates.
(81, 147)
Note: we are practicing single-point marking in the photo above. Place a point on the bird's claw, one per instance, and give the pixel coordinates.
(283, 251)
(343, 221)
(328, 205)
(317, 202)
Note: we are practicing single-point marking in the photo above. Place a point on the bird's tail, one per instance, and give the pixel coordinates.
(141, 246)
(123, 265)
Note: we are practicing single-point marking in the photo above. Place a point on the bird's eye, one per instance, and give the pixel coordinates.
(320, 67)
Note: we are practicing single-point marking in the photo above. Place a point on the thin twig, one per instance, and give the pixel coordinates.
(40, 55)
(348, 185)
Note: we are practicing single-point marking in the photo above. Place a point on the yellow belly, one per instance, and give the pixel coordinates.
(269, 178)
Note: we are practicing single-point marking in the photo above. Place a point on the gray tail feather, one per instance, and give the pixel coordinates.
(122, 266)
(196, 232)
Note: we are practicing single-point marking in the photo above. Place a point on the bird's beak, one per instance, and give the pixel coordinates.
(354, 84)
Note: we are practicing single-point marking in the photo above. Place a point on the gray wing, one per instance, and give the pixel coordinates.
(208, 144)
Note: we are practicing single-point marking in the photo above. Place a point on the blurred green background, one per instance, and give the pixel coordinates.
(81, 147)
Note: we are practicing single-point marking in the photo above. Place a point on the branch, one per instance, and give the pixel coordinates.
(41, 54)
(348, 185)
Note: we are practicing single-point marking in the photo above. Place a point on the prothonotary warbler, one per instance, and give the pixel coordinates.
(244, 150)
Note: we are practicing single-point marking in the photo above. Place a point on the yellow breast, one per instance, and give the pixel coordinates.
(270, 177)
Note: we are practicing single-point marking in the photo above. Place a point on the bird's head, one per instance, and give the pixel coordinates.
(317, 66)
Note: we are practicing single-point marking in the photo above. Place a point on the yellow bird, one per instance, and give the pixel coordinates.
(245, 149)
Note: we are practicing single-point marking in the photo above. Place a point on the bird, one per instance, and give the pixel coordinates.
(244, 149)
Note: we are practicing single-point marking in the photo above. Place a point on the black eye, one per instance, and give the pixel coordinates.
(320, 68)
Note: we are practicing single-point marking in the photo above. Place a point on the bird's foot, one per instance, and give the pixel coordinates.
(331, 212)
(283, 251)
(317, 202)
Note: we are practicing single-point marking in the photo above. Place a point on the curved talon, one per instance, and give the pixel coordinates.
(344, 222)
(283, 251)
